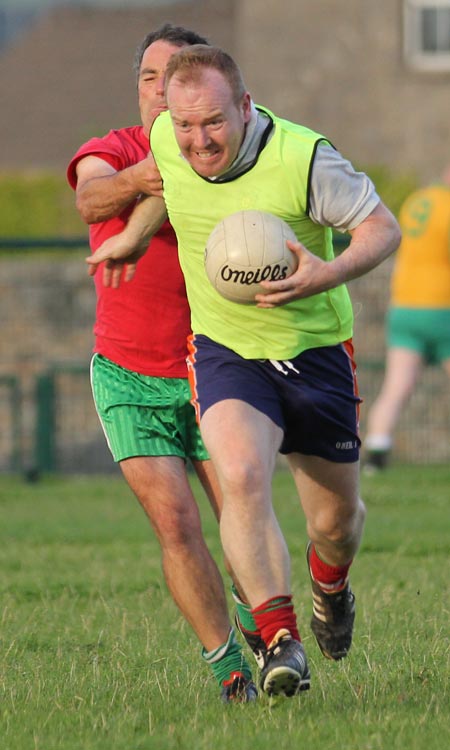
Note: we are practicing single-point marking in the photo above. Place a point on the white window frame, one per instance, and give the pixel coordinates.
(415, 56)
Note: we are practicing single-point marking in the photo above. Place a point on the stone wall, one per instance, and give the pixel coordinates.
(335, 67)
(47, 308)
(339, 68)
(69, 76)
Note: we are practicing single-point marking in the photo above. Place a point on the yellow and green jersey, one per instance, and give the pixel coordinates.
(421, 275)
(278, 183)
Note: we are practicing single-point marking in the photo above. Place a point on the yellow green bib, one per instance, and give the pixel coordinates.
(278, 184)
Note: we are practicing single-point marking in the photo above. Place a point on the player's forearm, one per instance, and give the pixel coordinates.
(372, 242)
(102, 198)
(147, 217)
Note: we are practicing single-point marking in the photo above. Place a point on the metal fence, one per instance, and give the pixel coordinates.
(48, 419)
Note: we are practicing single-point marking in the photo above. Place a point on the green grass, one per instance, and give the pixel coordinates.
(95, 656)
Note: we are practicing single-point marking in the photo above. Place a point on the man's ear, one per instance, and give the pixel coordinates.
(246, 107)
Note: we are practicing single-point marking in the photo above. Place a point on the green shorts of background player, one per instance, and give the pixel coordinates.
(416, 337)
(425, 331)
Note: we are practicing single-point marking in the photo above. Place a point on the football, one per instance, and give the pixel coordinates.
(246, 248)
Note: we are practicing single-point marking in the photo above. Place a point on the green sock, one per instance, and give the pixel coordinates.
(226, 659)
(244, 612)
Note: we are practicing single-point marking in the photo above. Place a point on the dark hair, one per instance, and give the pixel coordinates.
(189, 64)
(176, 35)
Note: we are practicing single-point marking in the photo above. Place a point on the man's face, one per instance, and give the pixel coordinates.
(151, 81)
(209, 126)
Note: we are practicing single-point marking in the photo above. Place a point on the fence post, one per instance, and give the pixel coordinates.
(45, 441)
(11, 382)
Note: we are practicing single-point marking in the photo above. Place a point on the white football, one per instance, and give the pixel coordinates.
(246, 248)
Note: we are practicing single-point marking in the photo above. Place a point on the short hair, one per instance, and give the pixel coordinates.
(189, 63)
(167, 32)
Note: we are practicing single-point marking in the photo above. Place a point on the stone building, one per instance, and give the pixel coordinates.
(373, 76)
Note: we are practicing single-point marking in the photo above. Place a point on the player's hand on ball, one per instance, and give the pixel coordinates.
(311, 277)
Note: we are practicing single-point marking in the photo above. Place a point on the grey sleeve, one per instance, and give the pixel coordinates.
(340, 197)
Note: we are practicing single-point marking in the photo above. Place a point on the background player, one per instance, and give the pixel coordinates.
(139, 374)
(418, 321)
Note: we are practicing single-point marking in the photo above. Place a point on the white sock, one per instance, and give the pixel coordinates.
(378, 443)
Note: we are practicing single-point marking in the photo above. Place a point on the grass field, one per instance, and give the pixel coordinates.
(94, 655)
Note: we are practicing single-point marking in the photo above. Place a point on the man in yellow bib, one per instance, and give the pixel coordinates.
(418, 321)
(277, 375)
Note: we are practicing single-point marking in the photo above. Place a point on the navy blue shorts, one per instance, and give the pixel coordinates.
(313, 397)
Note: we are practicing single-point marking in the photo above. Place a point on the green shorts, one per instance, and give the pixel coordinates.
(422, 330)
(143, 415)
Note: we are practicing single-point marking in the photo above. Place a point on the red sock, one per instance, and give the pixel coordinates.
(330, 578)
(273, 615)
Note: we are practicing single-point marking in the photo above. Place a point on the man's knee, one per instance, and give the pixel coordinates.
(337, 526)
(248, 474)
(175, 524)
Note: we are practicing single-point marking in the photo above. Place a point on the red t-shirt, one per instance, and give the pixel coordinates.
(143, 325)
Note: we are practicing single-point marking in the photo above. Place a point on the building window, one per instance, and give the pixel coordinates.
(427, 34)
